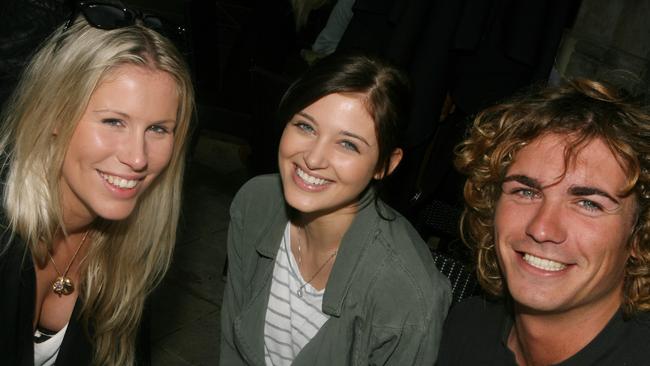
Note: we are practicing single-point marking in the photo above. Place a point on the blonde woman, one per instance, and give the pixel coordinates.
(93, 147)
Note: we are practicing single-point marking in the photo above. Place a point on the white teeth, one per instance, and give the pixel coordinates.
(545, 264)
(119, 182)
(309, 179)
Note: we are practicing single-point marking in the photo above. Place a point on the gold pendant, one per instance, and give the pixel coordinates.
(62, 286)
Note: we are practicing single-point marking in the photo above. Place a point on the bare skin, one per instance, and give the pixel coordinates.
(319, 239)
(562, 239)
(545, 340)
(328, 155)
(51, 310)
(122, 142)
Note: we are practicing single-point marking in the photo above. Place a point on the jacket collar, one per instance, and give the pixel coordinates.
(354, 243)
(269, 244)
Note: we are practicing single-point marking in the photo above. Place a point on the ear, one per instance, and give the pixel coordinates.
(393, 162)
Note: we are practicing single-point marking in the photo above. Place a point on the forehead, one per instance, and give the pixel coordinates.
(593, 162)
(343, 112)
(138, 87)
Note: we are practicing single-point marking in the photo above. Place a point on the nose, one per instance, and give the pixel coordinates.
(133, 151)
(547, 225)
(315, 155)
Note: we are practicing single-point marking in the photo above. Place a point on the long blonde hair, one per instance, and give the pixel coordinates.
(127, 258)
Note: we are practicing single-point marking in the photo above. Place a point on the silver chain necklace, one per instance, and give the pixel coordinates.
(299, 291)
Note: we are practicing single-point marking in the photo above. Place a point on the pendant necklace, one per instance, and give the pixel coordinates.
(299, 291)
(63, 285)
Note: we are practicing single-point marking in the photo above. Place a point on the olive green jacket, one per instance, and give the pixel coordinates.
(385, 298)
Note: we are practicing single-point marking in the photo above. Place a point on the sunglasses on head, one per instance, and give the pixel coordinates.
(109, 16)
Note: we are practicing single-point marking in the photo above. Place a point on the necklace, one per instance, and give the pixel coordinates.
(299, 291)
(63, 285)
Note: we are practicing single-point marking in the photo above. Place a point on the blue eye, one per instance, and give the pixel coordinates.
(349, 146)
(590, 205)
(525, 193)
(112, 122)
(159, 129)
(304, 126)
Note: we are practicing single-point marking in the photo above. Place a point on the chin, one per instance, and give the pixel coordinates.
(115, 213)
(300, 204)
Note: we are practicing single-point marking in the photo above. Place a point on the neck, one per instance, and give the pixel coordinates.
(543, 339)
(76, 225)
(71, 241)
(324, 233)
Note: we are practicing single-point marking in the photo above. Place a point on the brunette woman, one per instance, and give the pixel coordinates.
(321, 271)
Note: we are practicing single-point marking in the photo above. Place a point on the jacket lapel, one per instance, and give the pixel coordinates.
(249, 325)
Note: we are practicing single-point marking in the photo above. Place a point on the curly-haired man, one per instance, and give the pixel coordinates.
(558, 214)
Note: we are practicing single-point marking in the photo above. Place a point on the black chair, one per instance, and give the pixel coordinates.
(463, 282)
(452, 258)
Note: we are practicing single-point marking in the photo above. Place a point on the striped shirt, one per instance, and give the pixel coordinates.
(291, 321)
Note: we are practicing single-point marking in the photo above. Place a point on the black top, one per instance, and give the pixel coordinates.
(476, 332)
(17, 298)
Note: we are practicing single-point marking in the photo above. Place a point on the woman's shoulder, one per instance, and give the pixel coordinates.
(260, 197)
(404, 244)
(259, 190)
(409, 271)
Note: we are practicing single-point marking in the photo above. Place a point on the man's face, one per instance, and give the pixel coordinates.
(562, 240)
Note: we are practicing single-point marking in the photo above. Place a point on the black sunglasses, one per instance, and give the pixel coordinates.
(109, 16)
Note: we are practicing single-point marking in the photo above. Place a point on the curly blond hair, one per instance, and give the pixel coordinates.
(583, 110)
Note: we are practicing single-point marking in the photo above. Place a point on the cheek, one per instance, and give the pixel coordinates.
(610, 240)
(505, 218)
(161, 154)
(284, 145)
(85, 144)
(500, 215)
(290, 143)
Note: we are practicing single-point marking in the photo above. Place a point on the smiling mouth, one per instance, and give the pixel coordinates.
(310, 179)
(119, 182)
(545, 264)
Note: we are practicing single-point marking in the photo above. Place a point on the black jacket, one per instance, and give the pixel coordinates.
(18, 289)
(17, 298)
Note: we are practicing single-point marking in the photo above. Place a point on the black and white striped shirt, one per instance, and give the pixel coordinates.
(291, 320)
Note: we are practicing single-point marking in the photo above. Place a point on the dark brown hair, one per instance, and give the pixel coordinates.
(383, 87)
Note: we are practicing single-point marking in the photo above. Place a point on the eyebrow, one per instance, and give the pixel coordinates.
(350, 134)
(589, 191)
(112, 111)
(127, 116)
(574, 190)
(524, 179)
(307, 116)
(344, 133)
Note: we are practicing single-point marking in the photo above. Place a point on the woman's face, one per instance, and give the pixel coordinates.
(328, 154)
(123, 141)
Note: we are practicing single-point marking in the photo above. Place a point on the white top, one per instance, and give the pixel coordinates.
(291, 320)
(45, 352)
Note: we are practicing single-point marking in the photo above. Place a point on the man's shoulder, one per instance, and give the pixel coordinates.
(637, 330)
(474, 333)
(624, 341)
(477, 312)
